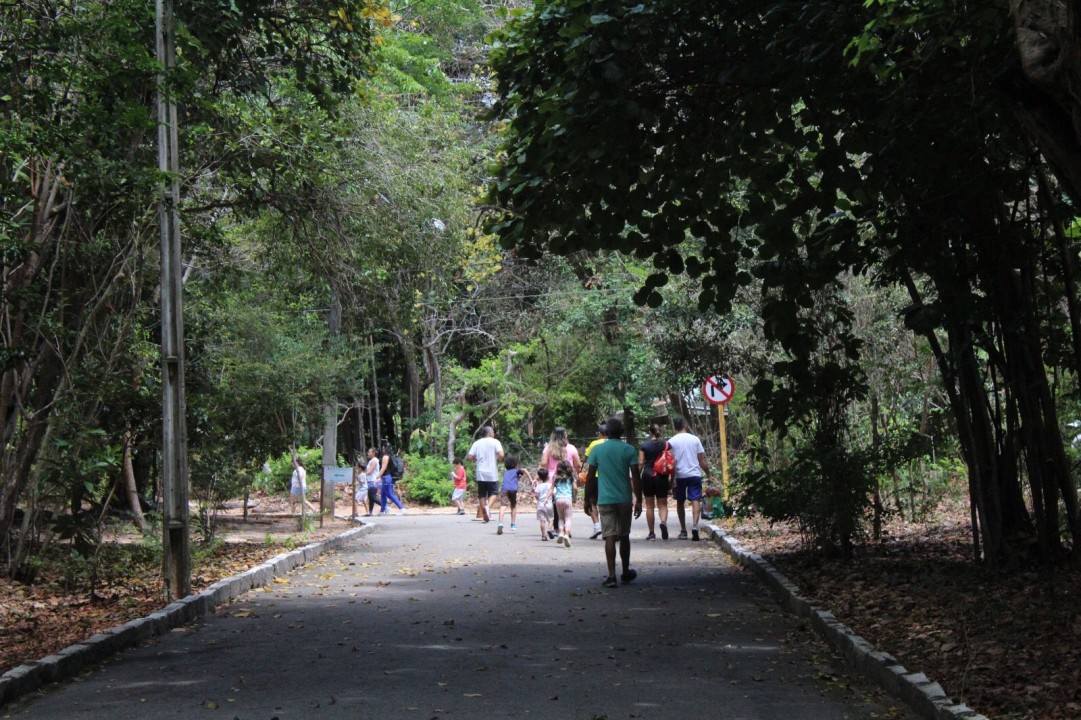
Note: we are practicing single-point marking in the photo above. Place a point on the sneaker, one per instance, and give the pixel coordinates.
(401, 511)
(651, 536)
(682, 535)
(544, 538)
(596, 534)
(499, 530)
(694, 534)
(513, 527)
(628, 576)
(610, 583)
(664, 531)
(560, 540)
(566, 542)
(552, 534)
(461, 512)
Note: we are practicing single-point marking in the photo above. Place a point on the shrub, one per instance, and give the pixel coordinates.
(278, 470)
(824, 486)
(427, 480)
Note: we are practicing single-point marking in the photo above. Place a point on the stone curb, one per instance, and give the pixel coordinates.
(927, 698)
(70, 661)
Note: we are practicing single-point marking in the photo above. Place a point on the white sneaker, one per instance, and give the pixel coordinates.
(401, 512)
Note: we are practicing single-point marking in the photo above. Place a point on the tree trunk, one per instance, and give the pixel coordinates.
(1046, 83)
(452, 434)
(876, 490)
(18, 460)
(1047, 464)
(413, 384)
(129, 485)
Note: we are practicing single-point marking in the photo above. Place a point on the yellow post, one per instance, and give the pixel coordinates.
(724, 451)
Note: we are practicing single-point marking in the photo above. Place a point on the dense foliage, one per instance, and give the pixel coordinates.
(788, 148)
(850, 212)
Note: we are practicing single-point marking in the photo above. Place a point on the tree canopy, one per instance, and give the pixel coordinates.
(787, 147)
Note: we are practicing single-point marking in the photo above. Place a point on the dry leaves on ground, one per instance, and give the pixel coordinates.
(1008, 645)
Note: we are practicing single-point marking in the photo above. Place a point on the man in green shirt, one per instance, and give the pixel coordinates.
(614, 464)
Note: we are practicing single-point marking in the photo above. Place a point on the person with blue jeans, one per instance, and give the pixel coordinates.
(690, 466)
(386, 471)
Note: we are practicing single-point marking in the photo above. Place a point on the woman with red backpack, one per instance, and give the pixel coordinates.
(654, 486)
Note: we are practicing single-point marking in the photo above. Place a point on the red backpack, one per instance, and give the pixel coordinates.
(665, 464)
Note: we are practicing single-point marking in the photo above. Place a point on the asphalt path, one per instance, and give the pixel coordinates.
(435, 616)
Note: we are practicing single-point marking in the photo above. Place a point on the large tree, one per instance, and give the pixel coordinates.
(796, 147)
(79, 179)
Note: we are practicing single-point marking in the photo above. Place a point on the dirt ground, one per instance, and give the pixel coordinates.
(1007, 643)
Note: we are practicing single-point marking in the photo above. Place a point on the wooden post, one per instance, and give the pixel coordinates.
(176, 562)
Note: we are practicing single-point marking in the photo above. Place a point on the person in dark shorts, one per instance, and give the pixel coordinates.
(486, 451)
(654, 487)
(508, 496)
(375, 485)
(589, 505)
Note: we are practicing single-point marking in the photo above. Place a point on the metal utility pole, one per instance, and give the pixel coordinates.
(330, 422)
(176, 565)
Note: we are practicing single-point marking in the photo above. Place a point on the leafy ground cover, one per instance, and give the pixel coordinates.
(1008, 645)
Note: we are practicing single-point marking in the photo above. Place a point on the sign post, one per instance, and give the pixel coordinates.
(718, 390)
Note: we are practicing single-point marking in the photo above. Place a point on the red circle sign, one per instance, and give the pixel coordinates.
(718, 389)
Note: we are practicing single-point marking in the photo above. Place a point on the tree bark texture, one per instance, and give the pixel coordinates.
(131, 491)
(1047, 91)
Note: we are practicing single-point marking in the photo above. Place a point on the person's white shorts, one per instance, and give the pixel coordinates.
(457, 495)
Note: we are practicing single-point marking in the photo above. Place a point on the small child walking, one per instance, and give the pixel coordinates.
(543, 488)
(564, 495)
(457, 474)
(508, 496)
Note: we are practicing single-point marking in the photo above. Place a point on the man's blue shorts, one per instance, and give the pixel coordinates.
(688, 488)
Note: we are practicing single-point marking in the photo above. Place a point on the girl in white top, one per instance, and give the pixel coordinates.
(371, 474)
(298, 486)
(543, 488)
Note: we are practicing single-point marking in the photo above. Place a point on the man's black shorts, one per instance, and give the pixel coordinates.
(486, 489)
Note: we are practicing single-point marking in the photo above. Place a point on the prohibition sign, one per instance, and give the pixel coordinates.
(718, 389)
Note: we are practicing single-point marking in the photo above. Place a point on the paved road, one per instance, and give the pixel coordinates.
(434, 616)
